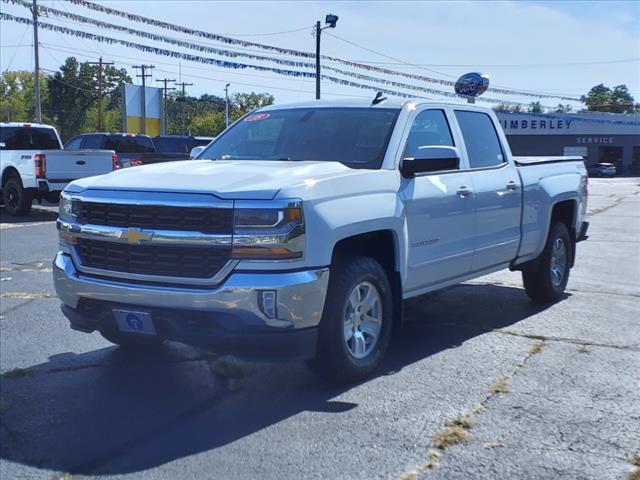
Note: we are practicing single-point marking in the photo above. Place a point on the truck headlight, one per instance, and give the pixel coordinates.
(267, 232)
(67, 210)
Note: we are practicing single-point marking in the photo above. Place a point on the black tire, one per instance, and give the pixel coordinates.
(542, 285)
(17, 200)
(130, 341)
(334, 361)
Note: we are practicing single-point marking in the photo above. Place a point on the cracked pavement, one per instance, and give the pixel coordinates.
(73, 403)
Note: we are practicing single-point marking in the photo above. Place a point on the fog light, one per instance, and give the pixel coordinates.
(268, 300)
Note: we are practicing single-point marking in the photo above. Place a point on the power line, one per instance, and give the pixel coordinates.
(143, 93)
(298, 53)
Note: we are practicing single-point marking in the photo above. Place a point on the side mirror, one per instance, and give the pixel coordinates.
(195, 151)
(430, 159)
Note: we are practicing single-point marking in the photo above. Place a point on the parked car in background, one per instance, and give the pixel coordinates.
(35, 166)
(179, 143)
(602, 170)
(133, 149)
(301, 229)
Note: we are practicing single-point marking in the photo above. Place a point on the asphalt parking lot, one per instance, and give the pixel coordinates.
(481, 384)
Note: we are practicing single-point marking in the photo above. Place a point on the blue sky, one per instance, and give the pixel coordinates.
(521, 45)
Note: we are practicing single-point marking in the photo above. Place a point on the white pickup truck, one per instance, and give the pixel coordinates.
(301, 229)
(33, 165)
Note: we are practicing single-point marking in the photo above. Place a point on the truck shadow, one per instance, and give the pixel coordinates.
(110, 411)
(37, 214)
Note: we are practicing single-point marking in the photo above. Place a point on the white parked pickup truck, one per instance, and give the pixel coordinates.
(33, 165)
(300, 230)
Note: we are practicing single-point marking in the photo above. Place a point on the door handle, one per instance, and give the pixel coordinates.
(463, 191)
(80, 162)
(512, 185)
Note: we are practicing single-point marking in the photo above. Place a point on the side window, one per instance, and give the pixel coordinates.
(429, 128)
(480, 137)
(93, 142)
(74, 144)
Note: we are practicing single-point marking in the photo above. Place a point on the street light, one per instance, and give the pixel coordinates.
(330, 21)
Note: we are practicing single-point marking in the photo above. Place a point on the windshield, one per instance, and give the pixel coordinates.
(129, 144)
(356, 137)
(28, 138)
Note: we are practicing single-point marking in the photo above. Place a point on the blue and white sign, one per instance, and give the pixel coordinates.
(472, 84)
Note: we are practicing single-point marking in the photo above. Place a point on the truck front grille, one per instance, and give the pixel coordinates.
(157, 217)
(189, 262)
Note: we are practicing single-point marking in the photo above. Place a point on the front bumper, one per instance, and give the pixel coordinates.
(227, 318)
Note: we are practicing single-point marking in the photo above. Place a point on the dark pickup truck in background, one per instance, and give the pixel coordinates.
(135, 149)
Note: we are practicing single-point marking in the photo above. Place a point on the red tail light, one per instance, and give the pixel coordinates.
(136, 162)
(116, 162)
(41, 165)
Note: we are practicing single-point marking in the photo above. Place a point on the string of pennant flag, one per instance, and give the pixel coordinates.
(238, 65)
(285, 51)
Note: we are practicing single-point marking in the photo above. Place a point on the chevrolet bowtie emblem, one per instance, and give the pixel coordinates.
(135, 236)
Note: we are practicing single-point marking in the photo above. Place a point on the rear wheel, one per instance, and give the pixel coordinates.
(548, 282)
(130, 341)
(17, 200)
(356, 323)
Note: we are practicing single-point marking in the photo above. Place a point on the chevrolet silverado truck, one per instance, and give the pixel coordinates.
(300, 230)
(33, 165)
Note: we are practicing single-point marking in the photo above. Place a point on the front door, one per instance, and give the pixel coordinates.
(439, 211)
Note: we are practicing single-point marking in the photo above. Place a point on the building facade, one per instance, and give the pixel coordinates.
(597, 137)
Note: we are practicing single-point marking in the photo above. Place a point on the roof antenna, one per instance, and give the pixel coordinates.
(378, 99)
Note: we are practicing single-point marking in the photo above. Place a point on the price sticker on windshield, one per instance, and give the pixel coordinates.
(256, 117)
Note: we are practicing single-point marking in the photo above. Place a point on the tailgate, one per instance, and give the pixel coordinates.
(67, 165)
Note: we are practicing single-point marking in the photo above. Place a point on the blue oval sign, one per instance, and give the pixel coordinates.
(472, 84)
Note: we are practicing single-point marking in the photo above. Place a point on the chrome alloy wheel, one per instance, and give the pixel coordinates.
(559, 262)
(362, 319)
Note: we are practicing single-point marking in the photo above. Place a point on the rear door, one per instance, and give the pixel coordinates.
(439, 210)
(497, 191)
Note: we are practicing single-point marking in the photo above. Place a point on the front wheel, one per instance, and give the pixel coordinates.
(17, 200)
(356, 323)
(548, 282)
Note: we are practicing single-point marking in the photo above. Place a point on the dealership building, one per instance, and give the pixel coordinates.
(597, 137)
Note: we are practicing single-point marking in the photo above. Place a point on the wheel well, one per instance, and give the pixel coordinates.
(8, 173)
(565, 212)
(381, 246)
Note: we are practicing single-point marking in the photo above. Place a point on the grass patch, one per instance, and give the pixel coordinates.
(455, 431)
(501, 386)
(634, 475)
(536, 347)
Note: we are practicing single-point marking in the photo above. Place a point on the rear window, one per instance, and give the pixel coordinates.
(28, 138)
(174, 145)
(132, 144)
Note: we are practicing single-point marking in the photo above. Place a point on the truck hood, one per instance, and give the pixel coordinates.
(226, 179)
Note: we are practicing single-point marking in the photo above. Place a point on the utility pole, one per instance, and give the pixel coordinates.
(330, 22)
(101, 64)
(36, 57)
(183, 84)
(226, 105)
(143, 97)
(165, 93)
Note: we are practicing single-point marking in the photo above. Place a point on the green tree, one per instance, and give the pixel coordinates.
(603, 99)
(73, 92)
(208, 124)
(563, 108)
(17, 96)
(242, 103)
(535, 107)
